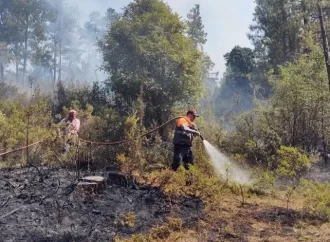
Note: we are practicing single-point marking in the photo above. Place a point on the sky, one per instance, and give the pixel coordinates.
(225, 21)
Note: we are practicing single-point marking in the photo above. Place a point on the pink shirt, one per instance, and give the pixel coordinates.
(72, 127)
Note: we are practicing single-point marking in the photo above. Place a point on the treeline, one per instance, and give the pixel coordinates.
(154, 62)
(42, 41)
(284, 80)
(273, 95)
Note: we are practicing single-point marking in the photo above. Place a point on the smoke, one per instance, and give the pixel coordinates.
(80, 59)
(226, 167)
(68, 50)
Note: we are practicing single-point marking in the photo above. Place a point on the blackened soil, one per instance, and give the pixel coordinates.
(49, 207)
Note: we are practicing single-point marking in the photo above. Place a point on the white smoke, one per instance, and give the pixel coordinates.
(226, 167)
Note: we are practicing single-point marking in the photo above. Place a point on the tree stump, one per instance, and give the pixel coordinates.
(90, 185)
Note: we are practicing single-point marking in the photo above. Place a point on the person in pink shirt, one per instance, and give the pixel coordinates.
(72, 126)
(72, 123)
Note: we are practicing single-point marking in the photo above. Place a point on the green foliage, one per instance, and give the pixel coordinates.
(240, 61)
(193, 182)
(131, 157)
(195, 27)
(276, 29)
(255, 139)
(317, 197)
(264, 182)
(95, 96)
(23, 25)
(292, 163)
(301, 101)
(297, 114)
(237, 88)
(19, 124)
(139, 56)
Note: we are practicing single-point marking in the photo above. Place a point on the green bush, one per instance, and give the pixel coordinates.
(317, 197)
(292, 163)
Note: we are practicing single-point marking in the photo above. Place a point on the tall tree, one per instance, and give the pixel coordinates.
(146, 53)
(235, 93)
(324, 39)
(195, 27)
(240, 61)
(61, 32)
(25, 20)
(5, 58)
(276, 31)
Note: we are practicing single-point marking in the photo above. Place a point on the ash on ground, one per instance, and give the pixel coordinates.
(48, 207)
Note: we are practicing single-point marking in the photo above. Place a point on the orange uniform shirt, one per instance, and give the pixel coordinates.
(185, 121)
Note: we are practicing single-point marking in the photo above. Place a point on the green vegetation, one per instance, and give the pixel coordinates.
(270, 113)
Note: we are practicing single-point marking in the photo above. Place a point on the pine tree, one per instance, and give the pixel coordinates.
(195, 27)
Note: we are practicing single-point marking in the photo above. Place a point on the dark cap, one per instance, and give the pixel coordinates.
(193, 112)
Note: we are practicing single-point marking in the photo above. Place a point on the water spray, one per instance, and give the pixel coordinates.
(225, 166)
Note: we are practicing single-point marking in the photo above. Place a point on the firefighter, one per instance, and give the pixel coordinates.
(184, 133)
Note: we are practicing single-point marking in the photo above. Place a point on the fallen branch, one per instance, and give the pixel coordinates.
(38, 170)
(2, 205)
(11, 213)
(21, 148)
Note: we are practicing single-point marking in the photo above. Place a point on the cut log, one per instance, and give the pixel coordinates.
(87, 188)
(91, 185)
(97, 179)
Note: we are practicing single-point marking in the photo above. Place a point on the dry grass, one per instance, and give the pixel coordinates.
(225, 218)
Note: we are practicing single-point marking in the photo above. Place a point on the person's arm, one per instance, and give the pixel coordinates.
(183, 124)
(189, 130)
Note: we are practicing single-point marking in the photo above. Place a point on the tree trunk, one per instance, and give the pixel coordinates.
(305, 12)
(2, 71)
(284, 35)
(16, 61)
(324, 142)
(25, 47)
(55, 50)
(306, 23)
(324, 40)
(60, 62)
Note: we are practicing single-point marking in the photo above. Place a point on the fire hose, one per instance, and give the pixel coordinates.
(122, 141)
(97, 142)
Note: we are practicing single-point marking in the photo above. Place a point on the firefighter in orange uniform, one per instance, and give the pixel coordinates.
(183, 136)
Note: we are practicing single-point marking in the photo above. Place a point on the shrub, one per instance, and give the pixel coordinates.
(131, 157)
(317, 197)
(292, 163)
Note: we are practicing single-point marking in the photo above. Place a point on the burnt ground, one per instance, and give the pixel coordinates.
(49, 208)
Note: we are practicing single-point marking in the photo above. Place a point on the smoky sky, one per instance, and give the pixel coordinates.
(226, 22)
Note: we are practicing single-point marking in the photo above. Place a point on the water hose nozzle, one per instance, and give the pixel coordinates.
(202, 137)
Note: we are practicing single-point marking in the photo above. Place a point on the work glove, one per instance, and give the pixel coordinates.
(197, 133)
